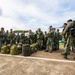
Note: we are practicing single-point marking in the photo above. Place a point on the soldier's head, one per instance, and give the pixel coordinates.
(39, 29)
(11, 30)
(50, 27)
(2, 29)
(57, 30)
(64, 25)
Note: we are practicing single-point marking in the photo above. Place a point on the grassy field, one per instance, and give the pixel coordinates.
(61, 45)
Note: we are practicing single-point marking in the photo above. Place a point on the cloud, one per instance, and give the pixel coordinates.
(0, 12)
(33, 14)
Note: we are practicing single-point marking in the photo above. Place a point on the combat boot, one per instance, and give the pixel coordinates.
(62, 53)
(65, 56)
(45, 50)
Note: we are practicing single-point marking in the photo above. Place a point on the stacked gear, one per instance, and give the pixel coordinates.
(26, 50)
(34, 47)
(14, 50)
(4, 50)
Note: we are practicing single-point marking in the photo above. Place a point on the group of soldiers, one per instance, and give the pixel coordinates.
(45, 40)
(68, 34)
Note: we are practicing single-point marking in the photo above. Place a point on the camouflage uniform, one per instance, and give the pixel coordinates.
(70, 38)
(45, 40)
(56, 40)
(11, 37)
(7, 40)
(22, 38)
(40, 37)
(50, 42)
(1, 36)
(65, 37)
(3, 32)
(31, 37)
(17, 38)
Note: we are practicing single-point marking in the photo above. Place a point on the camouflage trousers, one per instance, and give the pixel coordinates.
(56, 44)
(69, 44)
(50, 42)
(40, 43)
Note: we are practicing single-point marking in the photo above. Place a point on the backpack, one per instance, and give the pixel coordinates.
(72, 30)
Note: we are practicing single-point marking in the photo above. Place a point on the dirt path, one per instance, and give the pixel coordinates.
(53, 55)
(15, 65)
(39, 63)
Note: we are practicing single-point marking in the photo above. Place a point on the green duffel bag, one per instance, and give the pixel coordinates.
(4, 50)
(14, 50)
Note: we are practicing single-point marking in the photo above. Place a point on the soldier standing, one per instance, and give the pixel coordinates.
(70, 38)
(40, 37)
(57, 39)
(11, 36)
(3, 32)
(31, 37)
(50, 42)
(36, 36)
(7, 37)
(45, 39)
(65, 37)
(17, 38)
(1, 37)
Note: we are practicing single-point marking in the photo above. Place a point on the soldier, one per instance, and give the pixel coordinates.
(7, 37)
(70, 37)
(50, 42)
(17, 38)
(45, 39)
(1, 36)
(3, 32)
(31, 37)
(57, 39)
(11, 36)
(40, 37)
(36, 36)
(65, 37)
(22, 38)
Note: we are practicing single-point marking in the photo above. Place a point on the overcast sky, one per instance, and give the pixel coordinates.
(33, 14)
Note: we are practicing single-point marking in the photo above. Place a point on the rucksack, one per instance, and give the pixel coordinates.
(72, 30)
